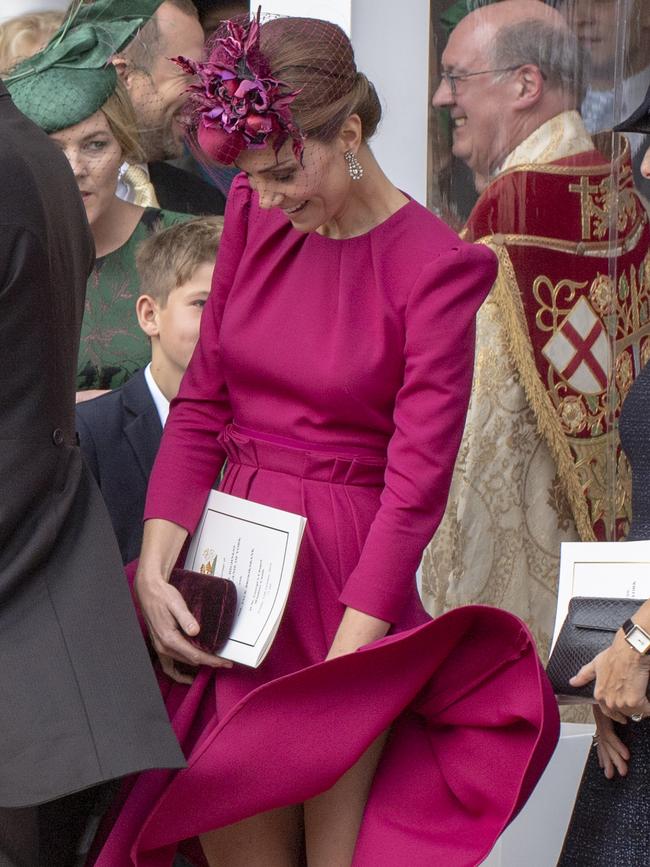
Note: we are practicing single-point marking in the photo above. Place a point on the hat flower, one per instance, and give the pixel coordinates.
(235, 103)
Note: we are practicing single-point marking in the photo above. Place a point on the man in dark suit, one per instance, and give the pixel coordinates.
(157, 88)
(79, 702)
(120, 431)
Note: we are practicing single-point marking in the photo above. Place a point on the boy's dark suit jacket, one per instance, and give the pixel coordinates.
(79, 704)
(119, 435)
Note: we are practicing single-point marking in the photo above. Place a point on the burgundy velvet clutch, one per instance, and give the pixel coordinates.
(212, 601)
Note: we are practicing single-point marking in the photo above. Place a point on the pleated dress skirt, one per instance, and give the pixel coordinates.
(339, 496)
(465, 697)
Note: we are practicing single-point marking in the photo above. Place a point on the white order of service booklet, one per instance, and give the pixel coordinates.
(256, 547)
(611, 570)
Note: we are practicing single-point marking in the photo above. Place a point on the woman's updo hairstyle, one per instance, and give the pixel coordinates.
(288, 78)
(316, 58)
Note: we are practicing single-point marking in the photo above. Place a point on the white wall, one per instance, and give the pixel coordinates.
(536, 836)
(338, 11)
(391, 44)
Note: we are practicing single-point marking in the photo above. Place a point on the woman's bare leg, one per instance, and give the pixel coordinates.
(272, 839)
(333, 819)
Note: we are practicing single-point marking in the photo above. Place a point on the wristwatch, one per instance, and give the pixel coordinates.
(636, 637)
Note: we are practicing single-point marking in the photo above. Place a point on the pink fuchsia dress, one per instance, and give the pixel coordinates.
(334, 377)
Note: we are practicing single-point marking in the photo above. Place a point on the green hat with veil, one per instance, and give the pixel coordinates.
(72, 77)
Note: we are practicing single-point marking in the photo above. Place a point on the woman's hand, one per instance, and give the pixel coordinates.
(621, 675)
(355, 630)
(613, 755)
(167, 616)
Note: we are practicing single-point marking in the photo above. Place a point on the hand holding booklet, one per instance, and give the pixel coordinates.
(256, 547)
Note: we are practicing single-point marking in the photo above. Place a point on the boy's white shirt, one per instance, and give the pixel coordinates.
(161, 402)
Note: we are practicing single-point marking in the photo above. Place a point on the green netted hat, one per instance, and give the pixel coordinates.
(72, 77)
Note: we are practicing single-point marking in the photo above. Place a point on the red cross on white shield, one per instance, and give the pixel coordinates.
(579, 350)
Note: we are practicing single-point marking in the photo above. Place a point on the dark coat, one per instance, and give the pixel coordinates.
(181, 191)
(119, 435)
(78, 700)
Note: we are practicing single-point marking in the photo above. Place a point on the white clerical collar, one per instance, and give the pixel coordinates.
(161, 402)
(560, 137)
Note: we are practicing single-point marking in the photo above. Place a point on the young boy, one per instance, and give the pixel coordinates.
(120, 432)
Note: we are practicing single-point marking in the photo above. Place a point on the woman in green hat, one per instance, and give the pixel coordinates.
(71, 90)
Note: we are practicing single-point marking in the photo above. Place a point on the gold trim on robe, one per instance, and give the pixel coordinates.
(540, 458)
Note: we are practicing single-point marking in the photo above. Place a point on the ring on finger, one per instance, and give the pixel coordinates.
(595, 741)
(636, 717)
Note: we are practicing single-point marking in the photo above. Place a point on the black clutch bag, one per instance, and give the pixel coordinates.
(590, 627)
(212, 601)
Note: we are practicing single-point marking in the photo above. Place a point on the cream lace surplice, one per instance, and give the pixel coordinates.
(499, 540)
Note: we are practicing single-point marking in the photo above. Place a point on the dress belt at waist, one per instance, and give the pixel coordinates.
(306, 460)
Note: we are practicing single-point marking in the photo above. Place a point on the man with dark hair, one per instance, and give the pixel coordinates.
(558, 339)
(80, 705)
(213, 12)
(157, 88)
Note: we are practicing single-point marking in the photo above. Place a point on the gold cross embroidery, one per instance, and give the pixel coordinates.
(587, 206)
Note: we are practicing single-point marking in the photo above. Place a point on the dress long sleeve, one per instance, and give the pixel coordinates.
(429, 415)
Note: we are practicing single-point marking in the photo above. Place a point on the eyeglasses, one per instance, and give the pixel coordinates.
(451, 78)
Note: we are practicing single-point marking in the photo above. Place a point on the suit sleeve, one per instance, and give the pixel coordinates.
(190, 454)
(429, 417)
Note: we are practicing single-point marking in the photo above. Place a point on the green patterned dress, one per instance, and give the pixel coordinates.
(113, 346)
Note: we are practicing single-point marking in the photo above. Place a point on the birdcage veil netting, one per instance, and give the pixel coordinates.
(267, 80)
(97, 98)
(60, 67)
(107, 61)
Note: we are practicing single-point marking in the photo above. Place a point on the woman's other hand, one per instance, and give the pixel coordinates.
(621, 675)
(355, 630)
(167, 616)
(613, 755)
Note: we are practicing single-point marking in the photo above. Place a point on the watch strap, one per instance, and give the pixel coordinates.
(628, 626)
(632, 630)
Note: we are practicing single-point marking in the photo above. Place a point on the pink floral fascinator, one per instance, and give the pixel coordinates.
(235, 103)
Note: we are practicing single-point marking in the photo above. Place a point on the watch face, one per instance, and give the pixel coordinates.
(638, 639)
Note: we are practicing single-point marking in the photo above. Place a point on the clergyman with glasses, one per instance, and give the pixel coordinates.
(539, 449)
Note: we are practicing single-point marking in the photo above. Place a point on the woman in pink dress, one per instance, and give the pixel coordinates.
(333, 373)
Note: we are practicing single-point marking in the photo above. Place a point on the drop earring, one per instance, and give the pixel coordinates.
(355, 169)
